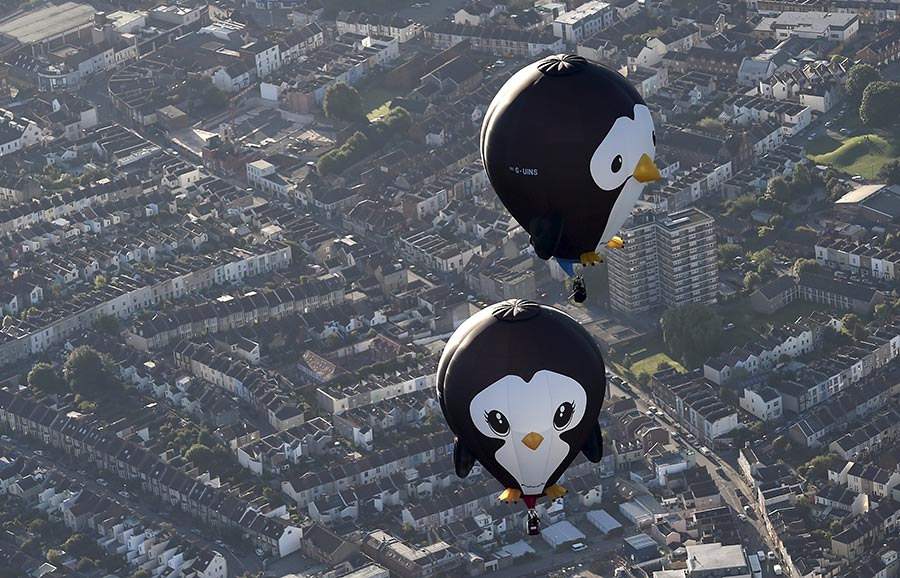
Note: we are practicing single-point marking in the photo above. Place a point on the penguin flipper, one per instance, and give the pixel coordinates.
(593, 447)
(546, 232)
(462, 459)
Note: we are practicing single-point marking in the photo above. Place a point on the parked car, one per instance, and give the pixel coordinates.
(260, 553)
(124, 494)
(748, 510)
(742, 517)
(761, 555)
(7, 439)
(705, 451)
(579, 546)
(777, 570)
(220, 543)
(103, 482)
(39, 452)
(771, 555)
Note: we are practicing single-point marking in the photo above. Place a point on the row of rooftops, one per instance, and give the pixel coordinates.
(94, 434)
(841, 244)
(219, 308)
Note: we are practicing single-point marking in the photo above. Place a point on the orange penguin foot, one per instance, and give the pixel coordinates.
(510, 495)
(555, 491)
(615, 243)
(590, 258)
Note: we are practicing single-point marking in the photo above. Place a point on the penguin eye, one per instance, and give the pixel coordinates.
(563, 414)
(616, 164)
(498, 422)
(654, 138)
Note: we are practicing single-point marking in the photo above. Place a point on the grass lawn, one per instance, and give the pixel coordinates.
(644, 360)
(857, 155)
(376, 100)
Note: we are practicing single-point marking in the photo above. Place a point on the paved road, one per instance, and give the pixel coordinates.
(182, 523)
(753, 531)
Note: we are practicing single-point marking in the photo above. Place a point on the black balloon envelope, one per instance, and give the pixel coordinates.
(568, 145)
(521, 386)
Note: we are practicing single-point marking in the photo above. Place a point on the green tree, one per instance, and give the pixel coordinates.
(54, 557)
(100, 281)
(713, 125)
(44, 378)
(779, 189)
(200, 454)
(342, 101)
(8, 321)
(884, 312)
(801, 181)
(775, 221)
(691, 333)
(858, 79)
(82, 546)
(854, 326)
(108, 324)
(91, 375)
(140, 574)
(742, 206)
(806, 266)
(879, 104)
(890, 172)
(817, 467)
(780, 445)
(728, 252)
(752, 280)
(764, 261)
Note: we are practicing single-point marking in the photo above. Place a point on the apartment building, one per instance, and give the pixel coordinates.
(668, 260)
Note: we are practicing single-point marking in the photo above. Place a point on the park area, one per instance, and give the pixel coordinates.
(863, 155)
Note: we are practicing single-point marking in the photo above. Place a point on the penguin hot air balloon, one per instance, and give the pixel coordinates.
(568, 145)
(521, 386)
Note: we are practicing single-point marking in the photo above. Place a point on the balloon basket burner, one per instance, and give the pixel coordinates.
(533, 523)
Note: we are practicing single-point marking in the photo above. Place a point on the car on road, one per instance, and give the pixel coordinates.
(742, 517)
(124, 494)
(39, 452)
(220, 543)
(748, 509)
(761, 555)
(771, 555)
(650, 414)
(720, 472)
(674, 435)
(579, 546)
(652, 408)
(103, 482)
(260, 553)
(7, 439)
(777, 570)
(705, 451)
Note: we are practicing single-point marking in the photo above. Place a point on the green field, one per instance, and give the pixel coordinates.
(857, 155)
(642, 361)
(376, 100)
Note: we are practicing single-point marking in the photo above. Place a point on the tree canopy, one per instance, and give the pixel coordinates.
(91, 374)
(806, 266)
(879, 104)
(44, 378)
(691, 333)
(342, 101)
(890, 172)
(859, 78)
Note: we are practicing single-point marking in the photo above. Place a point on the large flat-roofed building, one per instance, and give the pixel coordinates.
(583, 22)
(667, 260)
(50, 25)
(833, 26)
(715, 560)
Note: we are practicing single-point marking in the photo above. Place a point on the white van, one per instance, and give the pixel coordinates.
(777, 569)
(578, 547)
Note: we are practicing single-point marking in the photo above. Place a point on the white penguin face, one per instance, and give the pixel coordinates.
(530, 416)
(617, 159)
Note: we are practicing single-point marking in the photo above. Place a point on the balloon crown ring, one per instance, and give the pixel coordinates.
(516, 310)
(562, 64)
